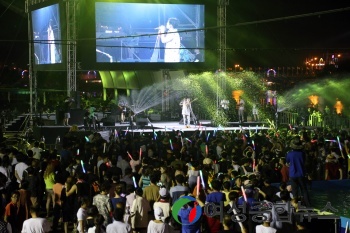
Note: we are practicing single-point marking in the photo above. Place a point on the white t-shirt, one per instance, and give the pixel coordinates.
(154, 227)
(37, 152)
(81, 215)
(36, 225)
(263, 229)
(93, 229)
(19, 168)
(118, 227)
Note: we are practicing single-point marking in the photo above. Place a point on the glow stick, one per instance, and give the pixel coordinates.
(237, 218)
(214, 132)
(140, 154)
(82, 165)
(206, 149)
(171, 145)
(201, 174)
(240, 129)
(155, 135)
(133, 179)
(347, 227)
(341, 149)
(78, 152)
(126, 132)
(253, 144)
(87, 139)
(188, 140)
(244, 194)
(328, 140)
(182, 141)
(198, 184)
(256, 128)
(129, 155)
(208, 137)
(104, 147)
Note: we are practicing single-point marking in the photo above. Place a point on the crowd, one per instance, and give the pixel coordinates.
(168, 181)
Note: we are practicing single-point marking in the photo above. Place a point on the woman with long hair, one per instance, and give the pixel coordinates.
(99, 227)
(145, 177)
(49, 178)
(165, 179)
(68, 198)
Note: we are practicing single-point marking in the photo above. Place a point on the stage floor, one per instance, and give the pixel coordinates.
(169, 126)
(50, 132)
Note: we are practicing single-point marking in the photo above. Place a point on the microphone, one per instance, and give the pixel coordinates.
(160, 27)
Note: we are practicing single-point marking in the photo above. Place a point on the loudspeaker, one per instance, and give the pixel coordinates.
(141, 121)
(109, 120)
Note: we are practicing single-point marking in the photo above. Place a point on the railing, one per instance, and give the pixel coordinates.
(314, 120)
(288, 118)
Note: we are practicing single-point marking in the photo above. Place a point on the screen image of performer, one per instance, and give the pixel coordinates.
(241, 110)
(171, 39)
(186, 111)
(67, 105)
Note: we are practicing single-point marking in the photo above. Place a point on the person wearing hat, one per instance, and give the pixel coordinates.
(296, 160)
(157, 225)
(163, 203)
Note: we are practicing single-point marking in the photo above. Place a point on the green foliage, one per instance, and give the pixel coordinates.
(208, 88)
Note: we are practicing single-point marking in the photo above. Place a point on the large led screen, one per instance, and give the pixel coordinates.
(46, 36)
(149, 32)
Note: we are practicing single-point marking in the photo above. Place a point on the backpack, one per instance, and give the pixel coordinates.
(3, 180)
(3, 226)
(95, 187)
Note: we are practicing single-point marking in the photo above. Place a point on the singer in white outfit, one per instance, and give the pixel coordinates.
(186, 111)
(171, 39)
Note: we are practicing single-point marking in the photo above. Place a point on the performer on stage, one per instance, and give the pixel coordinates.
(241, 110)
(255, 112)
(122, 109)
(186, 111)
(67, 105)
(171, 39)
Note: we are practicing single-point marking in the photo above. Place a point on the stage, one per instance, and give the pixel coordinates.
(51, 132)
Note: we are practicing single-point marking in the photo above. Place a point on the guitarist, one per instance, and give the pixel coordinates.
(186, 111)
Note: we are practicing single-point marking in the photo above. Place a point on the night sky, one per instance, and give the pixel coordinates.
(260, 33)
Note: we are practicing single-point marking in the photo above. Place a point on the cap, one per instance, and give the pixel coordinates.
(163, 192)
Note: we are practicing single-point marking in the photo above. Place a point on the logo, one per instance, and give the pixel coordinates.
(194, 214)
